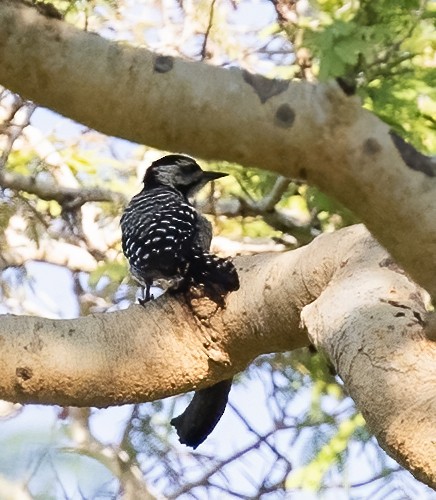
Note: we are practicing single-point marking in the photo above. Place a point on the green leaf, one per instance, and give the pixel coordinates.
(349, 49)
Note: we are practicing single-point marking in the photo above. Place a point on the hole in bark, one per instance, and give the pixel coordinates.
(163, 64)
(24, 373)
(418, 317)
(285, 116)
(371, 147)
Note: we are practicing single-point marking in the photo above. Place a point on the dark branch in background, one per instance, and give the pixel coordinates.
(265, 208)
(261, 439)
(73, 198)
(219, 466)
(413, 158)
(13, 130)
(284, 10)
(71, 201)
(203, 52)
(69, 198)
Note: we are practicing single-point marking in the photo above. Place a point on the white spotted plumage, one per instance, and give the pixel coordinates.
(163, 236)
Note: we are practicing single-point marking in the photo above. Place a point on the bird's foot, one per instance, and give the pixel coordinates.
(147, 296)
(144, 300)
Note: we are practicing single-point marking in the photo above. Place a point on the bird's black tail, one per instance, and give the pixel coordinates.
(202, 414)
(218, 277)
(207, 268)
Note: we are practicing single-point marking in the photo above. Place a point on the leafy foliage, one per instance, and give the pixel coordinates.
(388, 49)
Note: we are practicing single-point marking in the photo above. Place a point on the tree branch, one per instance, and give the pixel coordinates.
(122, 466)
(268, 203)
(277, 219)
(297, 129)
(19, 249)
(68, 197)
(356, 304)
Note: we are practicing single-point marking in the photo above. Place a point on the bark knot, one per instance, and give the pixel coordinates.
(285, 116)
(163, 64)
(24, 373)
(265, 87)
(371, 146)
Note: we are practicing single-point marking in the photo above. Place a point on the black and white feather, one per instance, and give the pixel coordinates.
(163, 235)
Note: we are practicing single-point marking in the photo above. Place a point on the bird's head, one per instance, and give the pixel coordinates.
(179, 172)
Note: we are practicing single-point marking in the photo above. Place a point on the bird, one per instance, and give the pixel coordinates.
(165, 238)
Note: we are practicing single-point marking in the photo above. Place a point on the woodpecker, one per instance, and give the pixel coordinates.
(165, 237)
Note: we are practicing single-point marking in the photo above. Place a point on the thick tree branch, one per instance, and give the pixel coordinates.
(374, 337)
(355, 302)
(297, 129)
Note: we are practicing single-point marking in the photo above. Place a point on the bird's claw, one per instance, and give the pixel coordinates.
(147, 296)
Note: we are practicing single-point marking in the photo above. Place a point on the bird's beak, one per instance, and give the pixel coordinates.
(211, 176)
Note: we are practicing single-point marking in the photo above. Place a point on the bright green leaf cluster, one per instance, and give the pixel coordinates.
(387, 49)
(310, 476)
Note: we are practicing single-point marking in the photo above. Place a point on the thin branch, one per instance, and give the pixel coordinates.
(268, 203)
(382, 475)
(258, 436)
(203, 52)
(122, 466)
(219, 466)
(13, 130)
(277, 219)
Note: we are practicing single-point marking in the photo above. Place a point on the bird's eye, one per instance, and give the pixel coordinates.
(190, 168)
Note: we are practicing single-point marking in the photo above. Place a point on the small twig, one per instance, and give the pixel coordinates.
(203, 52)
(270, 200)
(253, 431)
(12, 130)
(220, 465)
(383, 474)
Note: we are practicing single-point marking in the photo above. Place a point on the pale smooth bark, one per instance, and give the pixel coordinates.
(356, 305)
(297, 129)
